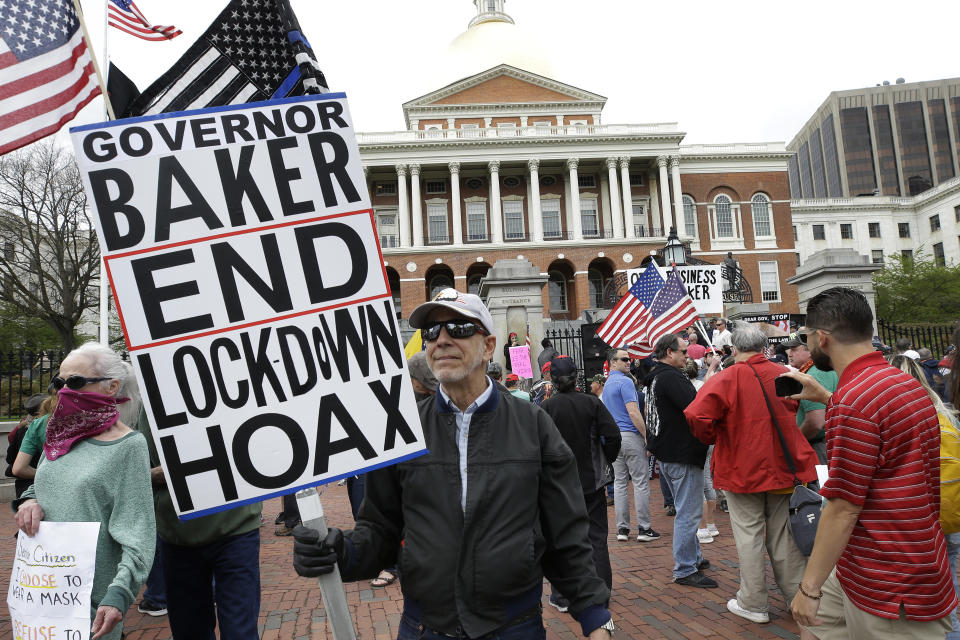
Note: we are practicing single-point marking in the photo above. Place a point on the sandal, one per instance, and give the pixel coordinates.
(384, 579)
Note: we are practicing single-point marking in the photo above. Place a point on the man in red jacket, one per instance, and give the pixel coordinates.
(749, 465)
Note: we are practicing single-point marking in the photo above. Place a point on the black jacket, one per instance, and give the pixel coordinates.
(669, 391)
(582, 419)
(525, 519)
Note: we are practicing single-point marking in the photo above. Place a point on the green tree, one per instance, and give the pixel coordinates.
(917, 290)
(23, 332)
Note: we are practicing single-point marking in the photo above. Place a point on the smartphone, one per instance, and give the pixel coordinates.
(787, 386)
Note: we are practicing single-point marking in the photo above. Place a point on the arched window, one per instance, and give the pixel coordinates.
(438, 283)
(473, 284)
(393, 278)
(760, 207)
(689, 216)
(595, 281)
(724, 216)
(557, 284)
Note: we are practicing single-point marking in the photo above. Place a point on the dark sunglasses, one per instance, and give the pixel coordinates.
(458, 329)
(802, 336)
(627, 359)
(74, 382)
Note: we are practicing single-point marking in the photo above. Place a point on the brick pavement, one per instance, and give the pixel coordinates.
(645, 603)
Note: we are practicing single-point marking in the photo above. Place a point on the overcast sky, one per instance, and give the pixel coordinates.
(725, 71)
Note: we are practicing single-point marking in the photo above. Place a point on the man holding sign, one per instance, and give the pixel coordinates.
(475, 570)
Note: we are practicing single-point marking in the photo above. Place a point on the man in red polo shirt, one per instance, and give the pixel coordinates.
(879, 566)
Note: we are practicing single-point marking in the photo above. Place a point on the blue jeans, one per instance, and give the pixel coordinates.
(686, 484)
(953, 551)
(234, 562)
(531, 629)
(156, 592)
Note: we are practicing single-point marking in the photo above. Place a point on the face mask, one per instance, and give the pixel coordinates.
(79, 415)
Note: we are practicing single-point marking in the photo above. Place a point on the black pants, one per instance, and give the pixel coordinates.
(597, 533)
(291, 512)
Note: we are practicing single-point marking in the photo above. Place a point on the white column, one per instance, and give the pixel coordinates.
(616, 213)
(574, 208)
(416, 205)
(536, 219)
(455, 202)
(678, 220)
(624, 162)
(496, 217)
(451, 123)
(665, 210)
(404, 210)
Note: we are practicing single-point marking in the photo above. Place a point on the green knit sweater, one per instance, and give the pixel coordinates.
(109, 483)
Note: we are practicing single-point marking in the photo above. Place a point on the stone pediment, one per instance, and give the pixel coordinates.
(505, 84)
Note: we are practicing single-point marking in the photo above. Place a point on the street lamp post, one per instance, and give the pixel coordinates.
(674, 252)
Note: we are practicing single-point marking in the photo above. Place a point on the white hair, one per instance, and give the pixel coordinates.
(107, 363)
(748, 338)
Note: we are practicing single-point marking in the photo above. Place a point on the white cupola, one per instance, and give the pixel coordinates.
(489, 11)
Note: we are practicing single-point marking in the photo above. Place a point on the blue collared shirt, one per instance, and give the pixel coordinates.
(463, 432)
(617, 392)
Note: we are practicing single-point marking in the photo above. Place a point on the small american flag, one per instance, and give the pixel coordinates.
(672, 310)
(46, 73)
(628, 319)
(125, 16)
(528, 335)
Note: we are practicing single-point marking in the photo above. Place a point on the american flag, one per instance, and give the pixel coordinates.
(253, 51)
(125, 16)
(46, 73)
(628, 319)
(672, 310)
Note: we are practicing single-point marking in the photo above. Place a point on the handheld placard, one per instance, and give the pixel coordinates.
(331, 586)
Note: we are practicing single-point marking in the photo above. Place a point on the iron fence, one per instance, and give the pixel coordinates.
(24, 373)
(934, 337)
(568, 342)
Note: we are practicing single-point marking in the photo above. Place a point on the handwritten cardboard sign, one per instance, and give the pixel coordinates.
(520, 361)
(49, 594)
(245, 264)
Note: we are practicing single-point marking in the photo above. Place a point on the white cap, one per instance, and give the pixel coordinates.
(466, 304)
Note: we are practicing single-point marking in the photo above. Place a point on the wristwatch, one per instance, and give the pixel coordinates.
(608, 625)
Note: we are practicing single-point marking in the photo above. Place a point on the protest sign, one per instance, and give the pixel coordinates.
(520, 361)
(703, 284)
(49, 594)
(246, 269)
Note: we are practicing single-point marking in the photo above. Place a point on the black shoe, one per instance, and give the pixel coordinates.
(671, 511)
(560, 603)
(697, 580)
(279, 519)
(151, 609)
(623, 534)
(647, 535)
(703, 564)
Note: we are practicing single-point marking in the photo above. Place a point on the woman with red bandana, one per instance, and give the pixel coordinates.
(96, 469)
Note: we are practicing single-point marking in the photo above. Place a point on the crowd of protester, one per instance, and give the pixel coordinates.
(516, 484)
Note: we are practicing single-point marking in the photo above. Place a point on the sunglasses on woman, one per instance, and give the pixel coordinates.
(74, 382)
(458, 329)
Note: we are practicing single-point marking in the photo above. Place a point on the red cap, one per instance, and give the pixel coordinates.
(513, 378)
(545, 367)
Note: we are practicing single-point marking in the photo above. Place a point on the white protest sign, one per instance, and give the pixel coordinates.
(246, 268)
(703, 284)
(49, 594)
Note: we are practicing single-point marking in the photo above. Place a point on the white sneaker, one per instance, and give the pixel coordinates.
(753, 616)
(623, 535)
(712, 528)
(704, 536)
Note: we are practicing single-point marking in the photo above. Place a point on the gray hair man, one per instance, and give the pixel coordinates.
(477, 572)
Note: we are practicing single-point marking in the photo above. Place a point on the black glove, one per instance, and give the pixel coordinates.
(311, 557)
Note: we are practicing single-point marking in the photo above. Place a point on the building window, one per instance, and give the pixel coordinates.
(795, 238)
(473, 284)
(513, 219)
(876, 256)
(548, 181)
(636, 179)
(437, 224)
(436, 186)
(846, 231)
(588, 218)
(956, 213)
(386, 188)
(938, 257)
(906, 255)
(387, 229)
(476, 221)
(818, 232)
(769, 281)
(506, 129)
(438, 283)
(550, 210)
(904, 229)
(874, 229)
(724, 216)
(798, 258)
(935, 222)
(689, 216)
(595, 283)
(640, 221)
(511, 181)
(760, 206)
(557, 290)
(470, 130)
(586, 181)
(474, 183)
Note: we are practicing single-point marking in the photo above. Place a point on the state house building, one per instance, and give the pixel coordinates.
(509, 162)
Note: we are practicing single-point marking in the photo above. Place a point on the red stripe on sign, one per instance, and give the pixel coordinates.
(49, 74)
